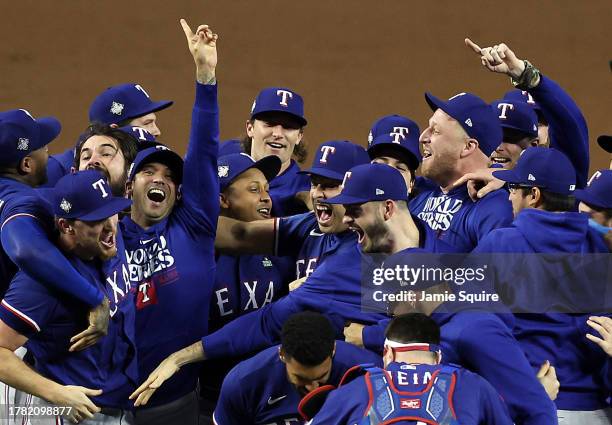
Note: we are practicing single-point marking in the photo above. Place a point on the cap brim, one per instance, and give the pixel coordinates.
(49, 129)
(301, 120)
(509, 176)
(269, 166)
(153, 107)
(403, 154)
(435, 103)
(583, 195)
(114, 206)
(345, 200)
(605, 142)
(323, 172)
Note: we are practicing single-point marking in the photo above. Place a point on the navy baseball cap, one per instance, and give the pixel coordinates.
(231, 166)
(517, 95)
(546, 168)
(517, 116)
(124, 102)
(230, 146)
(598, 192)
(84, 195)
(278, 99)
(474, 115)
(143, 137)
(161, 154)
(605, 142)
(335, 157)
(21, 133)
(371, 182)
(397, 136)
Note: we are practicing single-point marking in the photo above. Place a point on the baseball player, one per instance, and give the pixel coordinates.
(472, 336)
(460, 137)
(92, 385)
(414, 385)
(267, 388)
(541, 186)
(26, 221)
(519, 128)
(119, 106)
(169, 238)
(332, 284)
(247, 282)
(276, 127)
(394, 140)
(566, 128)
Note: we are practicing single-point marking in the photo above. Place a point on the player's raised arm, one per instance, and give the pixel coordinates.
(200, 187)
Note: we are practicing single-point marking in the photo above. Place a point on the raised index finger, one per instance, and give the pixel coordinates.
(186, 29)
(475, 47)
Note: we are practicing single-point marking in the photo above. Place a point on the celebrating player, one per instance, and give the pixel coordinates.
(414, 386)
(541, 187)
(169, 239)
(84, 384)
(276, 127)
(267, 388)
(461, 135)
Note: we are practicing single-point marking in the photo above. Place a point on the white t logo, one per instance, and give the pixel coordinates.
(399, 132)
(529, 98)
(326, 151)
(141, 132)
(99, 185)
(285, 94)
(347, 176)
(504, 107)
(139, 87)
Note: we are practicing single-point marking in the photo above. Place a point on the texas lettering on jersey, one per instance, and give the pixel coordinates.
(439, 212)
(249, 291)
(119, 282)
(304, 267)
(149, 267)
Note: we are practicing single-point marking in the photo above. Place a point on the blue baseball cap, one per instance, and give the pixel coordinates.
(605, 142)
(517, 95)
(396, 136)
(546, 168)
(84, 195)
(21, 133)
(371, 182)
(143, 137)
(161, 154)
(231, 166)
(124, 102)
(517, 116)
(598, 192)
(230, 146)
(278, 99)
(335, 157)
(474, 115)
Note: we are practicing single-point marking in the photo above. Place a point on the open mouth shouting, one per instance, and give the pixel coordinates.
(107, 239)
(324, 213)
(426, 154)
(497, 159)
(359, 231)
(156, 195)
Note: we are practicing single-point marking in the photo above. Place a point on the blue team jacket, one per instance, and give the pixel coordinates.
(474, 399)
(257, 391)
(582, 368)
(458, 220)
(50, 318)
(172, 264)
